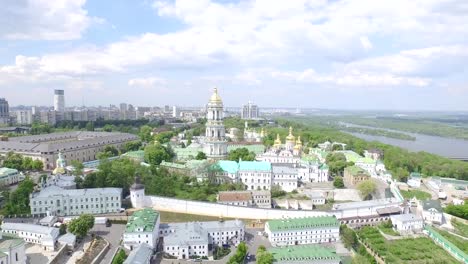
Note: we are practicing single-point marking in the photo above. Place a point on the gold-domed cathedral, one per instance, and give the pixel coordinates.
(288, 153)
(215, 145)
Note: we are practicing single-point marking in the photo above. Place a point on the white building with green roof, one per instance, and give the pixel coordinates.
(142, 227)
(9, 176)
(255, 175)
(304, 254)
(12, 250)
(300, 231)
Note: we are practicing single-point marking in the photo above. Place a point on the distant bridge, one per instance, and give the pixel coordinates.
(459, 158)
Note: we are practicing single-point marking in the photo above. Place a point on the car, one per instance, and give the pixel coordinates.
(260, 233)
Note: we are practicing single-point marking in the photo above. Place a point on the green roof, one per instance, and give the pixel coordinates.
(302, 223)
(415, 175)
(138, 155)
(302, 253)
(9, 241)
(324, 167)
(7, 172)
(310, 158)
(185, 153)
(143, 219)
(195, 164)
(350, 155)
(228, 166)
(355, 170)
(366, 160)
(255, 148)
(254, 166)
(172, 165)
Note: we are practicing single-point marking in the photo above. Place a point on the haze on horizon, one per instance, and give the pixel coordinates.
(344, 54)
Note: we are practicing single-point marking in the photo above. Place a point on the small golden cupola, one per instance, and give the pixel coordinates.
(290, 137)
(215, 98)
(298, 143)
(277, 140)
(262, 133)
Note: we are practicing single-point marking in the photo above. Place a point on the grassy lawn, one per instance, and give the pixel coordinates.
(389, 231)
(458, 242)
(414, 251)
(460, 228)
(420, 195)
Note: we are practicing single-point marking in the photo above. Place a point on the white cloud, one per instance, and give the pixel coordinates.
(147, 82)
(44, 19)
(365, 42)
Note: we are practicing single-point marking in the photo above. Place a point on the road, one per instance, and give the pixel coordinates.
(113, 235)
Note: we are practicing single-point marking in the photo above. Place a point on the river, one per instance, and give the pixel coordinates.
(447, 147)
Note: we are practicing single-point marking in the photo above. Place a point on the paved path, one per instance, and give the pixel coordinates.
(113, 235)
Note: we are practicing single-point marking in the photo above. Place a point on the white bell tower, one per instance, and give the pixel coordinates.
(215, 136)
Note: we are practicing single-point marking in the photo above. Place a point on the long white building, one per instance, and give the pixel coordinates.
(44, 236)
(183, 240)
(9, 176)
(142, 227)
(299, 231)
(64, 202)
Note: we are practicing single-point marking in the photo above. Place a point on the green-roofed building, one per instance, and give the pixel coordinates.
(255, 148)
(255, 175)
(304, 254)
(9, 176)
(142, 227)
(188, 153)
(354, 175)
(300, 231)
(350, 155)
(12, 249)
(138, 155)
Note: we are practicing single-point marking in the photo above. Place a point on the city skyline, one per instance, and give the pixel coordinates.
(306, 54)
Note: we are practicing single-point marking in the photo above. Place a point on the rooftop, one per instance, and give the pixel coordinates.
(7, 171)
(55, 142)
(406, 217)
(428, 204)
(350, 155)
(255, 148)
(303, 254)
(302, 223)
(254, 166)
(234, 196)
(8, 242)
(57, 191)
(139, 255)
(38, 229)
(356, 171)
(144, 219)
(192, 233)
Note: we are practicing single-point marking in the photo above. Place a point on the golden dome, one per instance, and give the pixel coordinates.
(277, 140)
(215, 98)
(299, 142)
(290, 137)
(262, 133)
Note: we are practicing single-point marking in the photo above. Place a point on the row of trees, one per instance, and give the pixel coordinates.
(17, 201)
(241, 154)
(458, 210)
(17, 161)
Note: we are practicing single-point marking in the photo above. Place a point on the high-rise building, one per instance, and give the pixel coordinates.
(123, 107)
(215, 145)
(24, 117)
(4, 111)
(250, 111)
(59, 101)
(175, 112)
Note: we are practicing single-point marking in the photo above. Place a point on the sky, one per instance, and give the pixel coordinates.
(337, 54)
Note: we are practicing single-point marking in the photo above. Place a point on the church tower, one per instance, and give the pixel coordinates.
(215, 146)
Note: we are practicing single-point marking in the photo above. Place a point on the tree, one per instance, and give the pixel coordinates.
(156, 153)
(27, 163)
(200, 156)
(263, 256)
(458, 210)
(241, 252)
(241, 154)
(131, 146)
(37, 165)
(348, 237)
(63, 229)
(90, 126)
(13, 161)
(112, 150)
(80, 226)
(18, 200)
(78, 167)
(120, 257)
(366, 188)
(164, 137)
(338, 182)
(276, 191)
(337, 162)
(145, 133)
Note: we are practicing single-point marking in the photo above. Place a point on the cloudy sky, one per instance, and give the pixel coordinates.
(337, 54)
